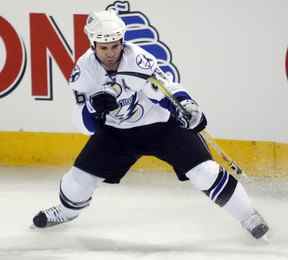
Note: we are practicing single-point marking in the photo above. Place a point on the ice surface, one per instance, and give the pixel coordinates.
(148, 216)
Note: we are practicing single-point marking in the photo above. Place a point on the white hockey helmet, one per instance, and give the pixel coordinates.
(104, 26)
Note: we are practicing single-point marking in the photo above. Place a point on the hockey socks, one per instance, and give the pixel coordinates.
(222, 188)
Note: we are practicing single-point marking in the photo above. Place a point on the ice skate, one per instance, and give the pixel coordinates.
(51, 217)
(256, 226)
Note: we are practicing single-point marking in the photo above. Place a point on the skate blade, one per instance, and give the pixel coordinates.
(32, 226)
(265, 239)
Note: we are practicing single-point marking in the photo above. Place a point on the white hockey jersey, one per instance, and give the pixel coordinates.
(139, 103)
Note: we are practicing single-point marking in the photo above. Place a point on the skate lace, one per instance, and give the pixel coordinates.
(55, 215)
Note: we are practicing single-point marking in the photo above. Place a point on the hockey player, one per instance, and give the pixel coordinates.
(126, 117)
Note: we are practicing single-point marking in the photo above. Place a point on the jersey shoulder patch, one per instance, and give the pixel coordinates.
(144, 62)
(75, 74)
(82, 64)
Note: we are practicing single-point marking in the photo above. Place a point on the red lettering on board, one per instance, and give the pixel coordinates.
(11, 72)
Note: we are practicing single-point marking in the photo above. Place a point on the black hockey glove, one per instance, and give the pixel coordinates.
(103, 102)
(193, 118)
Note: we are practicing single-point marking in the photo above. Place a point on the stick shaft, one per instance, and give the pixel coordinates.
(233, 166)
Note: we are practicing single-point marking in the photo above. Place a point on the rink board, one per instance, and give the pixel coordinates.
(257, 158)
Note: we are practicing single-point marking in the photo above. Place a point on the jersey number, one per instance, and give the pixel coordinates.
(80, 98)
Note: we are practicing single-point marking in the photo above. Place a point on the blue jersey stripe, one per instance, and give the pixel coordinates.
(88, 120)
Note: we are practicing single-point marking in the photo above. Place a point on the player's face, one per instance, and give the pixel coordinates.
(109, 53)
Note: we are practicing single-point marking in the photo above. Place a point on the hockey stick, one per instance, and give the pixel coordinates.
(233, 166)
(160, 84)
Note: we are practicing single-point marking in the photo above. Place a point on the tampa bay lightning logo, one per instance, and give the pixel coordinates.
(75, 74)
(141, 32)
(129, 110)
